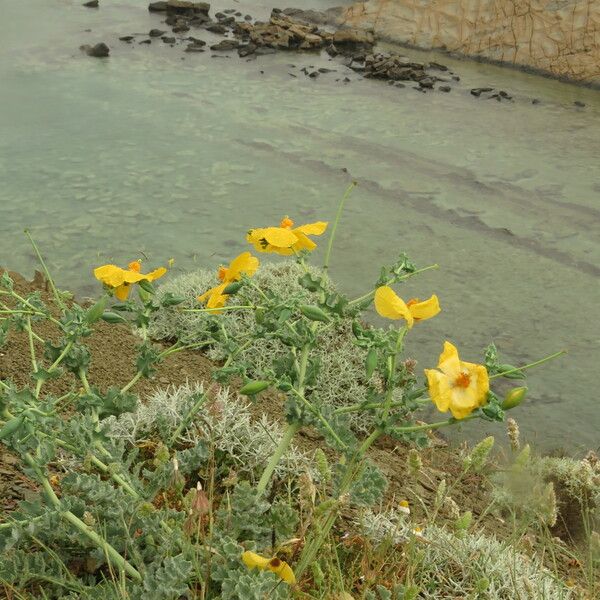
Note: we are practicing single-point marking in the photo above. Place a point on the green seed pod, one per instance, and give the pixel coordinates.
(314, 313)
(11, 426)
(111, 317)
(146, 286)
(233, 288)
(170, 299)
(514, 375)
(514, 397)
(254, 387)
(371, 362)
(94, 313)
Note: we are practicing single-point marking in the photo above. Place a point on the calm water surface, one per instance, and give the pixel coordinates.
(164, 154)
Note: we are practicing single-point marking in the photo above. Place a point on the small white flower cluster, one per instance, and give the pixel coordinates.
(224, 418)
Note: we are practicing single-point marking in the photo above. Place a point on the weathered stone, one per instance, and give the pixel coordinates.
(156, 32)
(157, 6)
(556, 36)
(168, 40)
(216, 28)
(146, 42)
(478, 91)
(331, 50)
(427, 82)
(91, 4)
(100, 50)
(353, 37)
(194, 48)
(185, 7)
(127, 38)
(225, 45)
(246, 50)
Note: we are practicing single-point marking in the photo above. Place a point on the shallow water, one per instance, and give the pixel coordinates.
(146, 154)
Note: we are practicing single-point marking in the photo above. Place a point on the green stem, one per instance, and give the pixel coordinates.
(530, 365)
(46, 271)
(84, 381)
(392, 280)
(392, 372)
(284, 442)
(133, 381)
(338, 215)
(31, 347)
(53, 366)
(113, 556)
(185, 421)
(31, 306)
(222, 308)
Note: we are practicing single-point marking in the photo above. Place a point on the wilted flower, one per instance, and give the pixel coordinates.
(512, 430)
(244, 264)
(277, 566)
(389, 305)
(458, 386)
(414, 462)
(285, 239)
(404, 507)
(121, 280)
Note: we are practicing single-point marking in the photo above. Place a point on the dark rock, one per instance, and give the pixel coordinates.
(331, 50)
(185, 7)
(444, 88)
(325, 70)
(276, 11)
(91, 4)
(347, 80)
(400, 85)
(427, 82)
(181, 28)
(194, 48)
(216, 28)
(146, 42)
(456, 77)
(100, 50)
(157, 6)
(247, 18)
(505, 95)
(168, 40)
(225, 45)
(535, 101)
(172, 20)
(196, 41)
(156, 33)
(227, 21)
(478, 91)
(247, 50)
(438, 66)
(579, 103)
(229, 11)
(127, 38)
(292, 75)
(199, 20)
(238, 14)
(220, 15)
(313, 74)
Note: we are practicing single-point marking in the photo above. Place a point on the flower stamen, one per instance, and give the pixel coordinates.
(463, 380)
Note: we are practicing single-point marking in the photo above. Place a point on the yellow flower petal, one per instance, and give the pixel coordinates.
(458, 386)
(214, 298)
(389, 305)
(439, 389)
(122, 292)
(244, 264)
(303, 243)
(279, 237)
(156, 274)
(253, 560)
(281, 568)
(449, 362)
(426, 309)
(317, 228)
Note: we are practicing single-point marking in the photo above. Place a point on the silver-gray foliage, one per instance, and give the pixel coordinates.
(225, 419)
(341, 379)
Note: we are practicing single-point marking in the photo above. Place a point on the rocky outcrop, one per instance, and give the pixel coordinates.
(558, 37)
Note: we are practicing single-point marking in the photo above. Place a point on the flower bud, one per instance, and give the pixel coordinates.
(314, 313)
(95, 312)
(371, 362)
(254, 387)
(113, 318)
(514, 397)
(233, 288)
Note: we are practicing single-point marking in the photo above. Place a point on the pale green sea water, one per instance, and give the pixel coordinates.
(148, 154)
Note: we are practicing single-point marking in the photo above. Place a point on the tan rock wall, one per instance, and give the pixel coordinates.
(561, 37)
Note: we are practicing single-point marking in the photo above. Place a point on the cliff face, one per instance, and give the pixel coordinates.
(560, 37)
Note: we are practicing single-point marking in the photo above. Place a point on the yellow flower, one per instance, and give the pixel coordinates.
(277, 566)
(458, 386)
(244, 264)
(389, 305)
(120, 280)
(284, 239)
